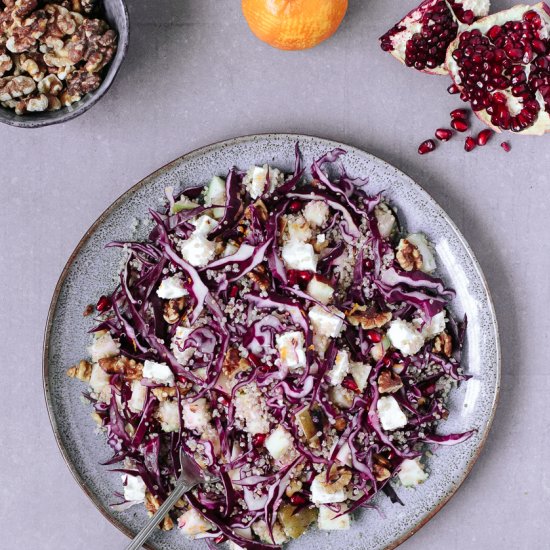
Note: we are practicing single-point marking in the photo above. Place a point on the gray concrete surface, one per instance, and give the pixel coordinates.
(194, 75)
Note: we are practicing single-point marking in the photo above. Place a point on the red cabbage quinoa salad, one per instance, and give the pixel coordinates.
(289, 336)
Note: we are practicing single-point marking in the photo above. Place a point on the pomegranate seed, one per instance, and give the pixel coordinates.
(233, 291)
(426, 147)
(374, 336)
(483, 137)
(386, 361)
(254, 359)
(298, 499)
(459, 125)
(295, 206)
(103, 304)
(453, 89)
(506, 146)
(304, 277)
(470, 144)
(459, 113)
(220, 539)
(443, 134)
(468, 17)
(292, 276)
(369, 264)
(350, 384)
(258, 440)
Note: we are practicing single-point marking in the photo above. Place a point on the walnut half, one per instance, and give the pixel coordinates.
(82, 371)
(443, 344)
(129, 368)
(389, 382)
(408, 256)
(368, 317)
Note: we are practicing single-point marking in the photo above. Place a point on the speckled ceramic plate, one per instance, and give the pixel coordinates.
(91, 270)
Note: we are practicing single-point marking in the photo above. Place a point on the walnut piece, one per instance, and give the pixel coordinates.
(381, 467)
(164, 393)
(13, 87)
(234, 363)
(408, 256)
(368, 317)
(152, 504)
(129, 368)
(260, 277)
(443, 344)
(389, 382)
(173, 309)
(82, 371)
(6, 62)
(36, 104)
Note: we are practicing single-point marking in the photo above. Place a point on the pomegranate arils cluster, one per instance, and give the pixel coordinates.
(490, 64)
(422, 37)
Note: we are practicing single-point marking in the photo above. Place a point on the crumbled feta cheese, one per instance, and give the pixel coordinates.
(405, 337)
(181, 353)
(329, 522)
(385, 219)
(411, 473)
(134, 488)
(298, 228)
(390, 414)
(324, 493)
(320, 291)
(196, 415)
(360, 373)
(316, 213)
(341, 397)
(139, 392)
(326, 323)
(256, 181)
(298, 255)
(171, 288)
(99, 382)
(191, 523)
(250, 406)
(103, 346)
(278, 443)
(215, 196)
(434, 327)
(379, 349)
(169, 416)
(158, 372)
(291, 349)
(197, 250)
(340, 368)
(203, 225)
(421, 242)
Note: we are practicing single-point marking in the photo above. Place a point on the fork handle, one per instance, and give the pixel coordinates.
(167, 505)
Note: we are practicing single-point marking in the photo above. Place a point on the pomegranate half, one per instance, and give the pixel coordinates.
(421, 38)
(501, 65)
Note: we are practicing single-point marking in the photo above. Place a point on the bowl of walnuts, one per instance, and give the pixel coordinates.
(58, 57)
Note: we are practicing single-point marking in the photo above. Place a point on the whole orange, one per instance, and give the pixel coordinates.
(294, 24)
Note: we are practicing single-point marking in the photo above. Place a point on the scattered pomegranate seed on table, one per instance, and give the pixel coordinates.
(470, 144)
(461, 114)
(453, 89)
(483, 137)
(506, 146)
(459, 124)
(426, 147)
(443, 134)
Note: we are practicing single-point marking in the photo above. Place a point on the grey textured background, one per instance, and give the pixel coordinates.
(194, 75)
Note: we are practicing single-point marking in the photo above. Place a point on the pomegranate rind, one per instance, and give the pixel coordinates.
(411, 24)
(542, 124)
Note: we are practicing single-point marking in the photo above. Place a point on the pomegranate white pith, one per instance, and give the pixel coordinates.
(421, 38)
(501, 65)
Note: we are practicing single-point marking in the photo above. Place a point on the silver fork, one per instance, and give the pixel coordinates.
(190, 476)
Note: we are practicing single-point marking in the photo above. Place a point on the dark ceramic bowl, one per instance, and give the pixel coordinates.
(116, 14)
